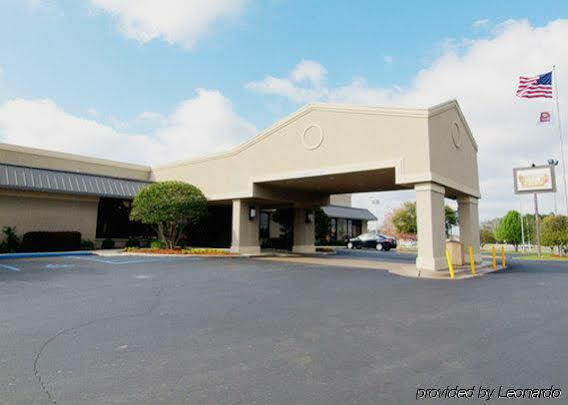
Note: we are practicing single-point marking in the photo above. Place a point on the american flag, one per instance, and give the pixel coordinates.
(537, 86)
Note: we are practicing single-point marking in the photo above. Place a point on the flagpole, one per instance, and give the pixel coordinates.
(558, 120)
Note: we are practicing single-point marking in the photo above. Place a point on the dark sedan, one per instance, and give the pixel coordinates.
(373, 241)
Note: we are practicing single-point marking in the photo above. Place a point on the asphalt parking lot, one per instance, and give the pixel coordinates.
(208, 331)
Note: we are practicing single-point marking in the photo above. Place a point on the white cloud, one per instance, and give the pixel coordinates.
(482, 74)
(200, 125)
(309, 70)
(305, 84)
(203, 124)
(175, 21)
(480, 23)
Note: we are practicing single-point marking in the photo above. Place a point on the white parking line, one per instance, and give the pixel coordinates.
(130, 261)
(4, 266)
(58, 266)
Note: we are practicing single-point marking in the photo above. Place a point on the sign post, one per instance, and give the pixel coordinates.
(535, 179)
(537, 224)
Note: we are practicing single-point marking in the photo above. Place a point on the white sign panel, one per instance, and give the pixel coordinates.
(537, 179)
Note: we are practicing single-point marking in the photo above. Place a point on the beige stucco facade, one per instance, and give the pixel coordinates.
(318, 151)
(29, 211)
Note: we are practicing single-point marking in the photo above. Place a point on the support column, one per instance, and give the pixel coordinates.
(469, 226)
(364, 226)
(245, 230)
(430, 217)
(304, 232)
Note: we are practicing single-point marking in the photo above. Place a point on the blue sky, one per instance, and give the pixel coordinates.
(66, 51)
(127, 75)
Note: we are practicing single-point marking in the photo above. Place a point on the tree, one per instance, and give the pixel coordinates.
(322, 225)
(405, 221)
(486, 236)
(554, 232)
(388, 227)
(451, 219)
(509, 229)
(169, 206)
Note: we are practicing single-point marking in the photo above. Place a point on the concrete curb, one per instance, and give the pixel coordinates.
(31, 255)
(400, 269)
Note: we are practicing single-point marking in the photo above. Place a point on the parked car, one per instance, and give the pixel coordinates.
(373, 241)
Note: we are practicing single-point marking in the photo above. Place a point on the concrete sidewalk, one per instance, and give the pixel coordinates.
(401, 269)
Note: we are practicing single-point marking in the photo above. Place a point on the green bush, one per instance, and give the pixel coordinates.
(158, 244)
(87, 245)
(170, 206)
(107, 244)
(11, 241)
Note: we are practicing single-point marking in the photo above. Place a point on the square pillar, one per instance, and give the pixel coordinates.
(245, 230)
(468, 214)
(364, 226)
(304, 233)
(431, 235)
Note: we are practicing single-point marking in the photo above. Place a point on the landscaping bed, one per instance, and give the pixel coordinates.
(179, 251)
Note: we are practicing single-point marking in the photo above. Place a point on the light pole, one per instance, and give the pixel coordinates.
(553, 162)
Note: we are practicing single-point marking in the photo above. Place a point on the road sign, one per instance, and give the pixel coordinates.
(535, 179)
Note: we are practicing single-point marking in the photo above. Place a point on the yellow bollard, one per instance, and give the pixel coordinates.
(450, 264)
(472, 260)
(494, 259)
(503, 257)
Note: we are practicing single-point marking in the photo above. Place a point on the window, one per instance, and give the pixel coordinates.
(113, 220)
(264, 220)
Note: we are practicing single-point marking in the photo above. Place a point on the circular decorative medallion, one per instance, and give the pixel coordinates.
(455, 132)
(312, 137)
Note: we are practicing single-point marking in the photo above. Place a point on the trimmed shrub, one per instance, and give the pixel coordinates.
(158, 244)
(87, 245)
(11, 241)
(51, 241)
(107, 244)
(170, 206)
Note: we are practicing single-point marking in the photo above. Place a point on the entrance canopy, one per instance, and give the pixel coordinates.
(331, 149)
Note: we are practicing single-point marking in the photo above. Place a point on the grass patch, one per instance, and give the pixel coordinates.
(544, 256)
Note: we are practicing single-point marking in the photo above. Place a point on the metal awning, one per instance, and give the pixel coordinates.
(57, 181)
(337, 211)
